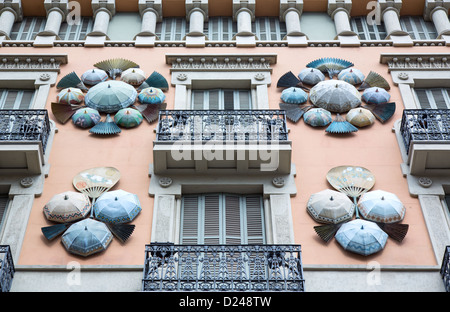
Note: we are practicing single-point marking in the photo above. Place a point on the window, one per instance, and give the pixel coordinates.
(437, 98)
(418, 28)
(220, 28)
(367, 32)
(76, 32)
(309, 24)
(28, 28)
(172, 28)
(222, 219)
(124, 26)
(226, 99)
(16, 99)
(3, 206)
(269, 28)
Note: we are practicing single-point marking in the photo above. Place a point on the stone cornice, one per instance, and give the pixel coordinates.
(221, 62)
(416, 61)
(32, 62)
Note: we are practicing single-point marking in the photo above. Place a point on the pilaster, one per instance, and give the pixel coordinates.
(244, 14)
(390, 13)
(196, 15)
(10, 12)
(290, 12)
(437, 11)
(339, 10)
(151, 13)
(103, 10)
(56, 13)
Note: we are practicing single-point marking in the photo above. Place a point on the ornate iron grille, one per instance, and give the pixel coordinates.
(222, 125)
(6, 268)
(31, 125)
(425, 125)
(171, 267)
(445, 269)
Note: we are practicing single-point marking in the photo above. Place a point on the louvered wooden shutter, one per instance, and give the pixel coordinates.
(27, 99)
(222, 219)
(422, 98)
(190, 220)
(254, 219)
(228, 100)
(198, 99)
(439, 99)
(244, 100)
(3, 206)
(214, 99)
(212, 207)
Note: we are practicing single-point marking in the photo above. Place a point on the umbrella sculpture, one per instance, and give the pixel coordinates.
(335, 96)
(351, 75)
(311, 76)
(360, 117)
(361, 236)
(87, 237)
(70, 96)
(381, 206)
(376, 95)
(86, 117)
(67, 207)
(117, 206)
(151, 96)
(317, 117)
(94, 76)
(294, 95)
(110, 96)
(128, 117)
(329, 206)
(133, 76)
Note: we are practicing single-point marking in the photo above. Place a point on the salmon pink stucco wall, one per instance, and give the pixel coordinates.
(314, 153)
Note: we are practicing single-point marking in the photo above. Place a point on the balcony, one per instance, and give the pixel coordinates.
(6, 268)
(445, 269)
(426, 138)
(254, 268)
(210, 140)
(23, 140)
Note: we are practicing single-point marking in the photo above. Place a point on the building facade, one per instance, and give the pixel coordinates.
(249, 187)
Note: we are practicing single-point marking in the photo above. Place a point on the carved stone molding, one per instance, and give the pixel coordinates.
(221, 62)
(32, 62)
(425, 61)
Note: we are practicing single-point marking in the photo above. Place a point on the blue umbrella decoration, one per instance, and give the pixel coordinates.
(117, 207)
(108, 96)
(320, 94)
(376, 95)
(311, 76)
(86, 117)
(87, 237)
(294, 95)
(113, 213)
(362, 237)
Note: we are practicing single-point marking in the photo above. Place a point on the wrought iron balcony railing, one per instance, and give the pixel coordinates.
(7, 269)
(445, 269)
(171, 267)
(28, 125)
(425, 125)
(222, 125)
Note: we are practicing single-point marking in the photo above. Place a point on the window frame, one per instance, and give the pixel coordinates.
(78, 29)
(414, 33)
(221, 99)
(4, 93)
(29, 35)
(366, 31)
(222, 236)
